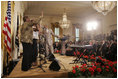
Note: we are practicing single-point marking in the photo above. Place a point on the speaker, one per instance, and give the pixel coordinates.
(55, 65)
(51, 57)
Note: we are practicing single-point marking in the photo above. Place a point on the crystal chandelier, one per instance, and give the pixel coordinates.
(103, 6)
(64, 23)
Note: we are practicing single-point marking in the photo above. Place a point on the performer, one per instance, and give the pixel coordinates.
(35, 40)
(49, 42)
(26, 39)
(63, 43)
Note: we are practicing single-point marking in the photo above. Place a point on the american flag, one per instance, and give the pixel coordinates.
(7, 28)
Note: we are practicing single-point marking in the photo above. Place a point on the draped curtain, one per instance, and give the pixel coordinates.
(56, 25)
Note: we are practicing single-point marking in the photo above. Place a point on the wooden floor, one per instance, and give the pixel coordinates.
(38, 73)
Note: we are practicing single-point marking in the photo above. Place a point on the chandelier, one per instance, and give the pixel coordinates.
(103, 6)
(64, 23)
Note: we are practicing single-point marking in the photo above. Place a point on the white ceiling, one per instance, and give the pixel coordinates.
(56, 8)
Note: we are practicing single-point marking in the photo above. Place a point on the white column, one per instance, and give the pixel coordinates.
(15, 30)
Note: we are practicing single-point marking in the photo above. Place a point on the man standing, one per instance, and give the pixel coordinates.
(27, 40)
(35, 40)
(49, 42)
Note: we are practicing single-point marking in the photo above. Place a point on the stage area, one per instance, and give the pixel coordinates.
(38, 73)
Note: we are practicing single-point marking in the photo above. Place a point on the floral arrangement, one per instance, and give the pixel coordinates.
(89, 58)
(107, 69)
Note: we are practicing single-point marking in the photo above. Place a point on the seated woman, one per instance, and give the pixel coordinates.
(57, 47)
(69, 51)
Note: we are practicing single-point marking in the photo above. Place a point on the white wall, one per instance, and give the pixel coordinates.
(105, 23)
(110, 21)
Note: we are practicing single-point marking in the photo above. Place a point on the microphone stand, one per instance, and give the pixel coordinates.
(42, 51)
(44, 47)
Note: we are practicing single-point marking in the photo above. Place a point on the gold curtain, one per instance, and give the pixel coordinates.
(53, 26)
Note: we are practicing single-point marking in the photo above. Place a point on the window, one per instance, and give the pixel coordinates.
(77, 33)
(56, 33)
